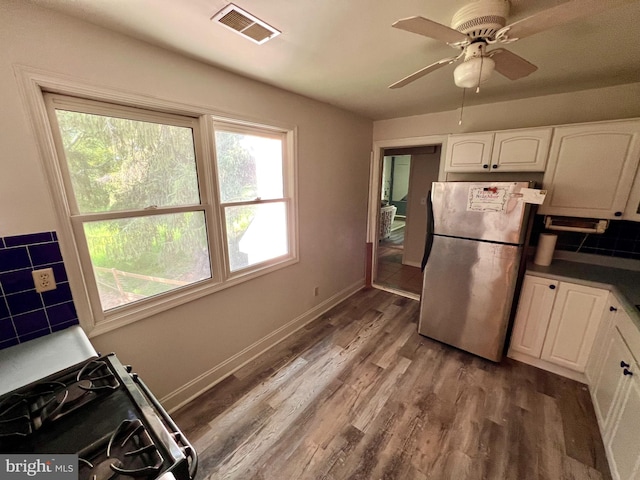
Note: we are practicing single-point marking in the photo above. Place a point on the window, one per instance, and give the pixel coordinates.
(145, 227)
(252, 196)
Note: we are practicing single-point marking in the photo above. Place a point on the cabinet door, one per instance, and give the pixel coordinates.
(521, 150)
(596, 357)
(532, 317)
(591, 169)
(632, 211)
(622, 443)
(574, 322)
(469, 153)
(610, 378)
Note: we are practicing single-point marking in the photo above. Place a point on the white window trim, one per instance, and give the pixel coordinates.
(33, 83)
(287, 196)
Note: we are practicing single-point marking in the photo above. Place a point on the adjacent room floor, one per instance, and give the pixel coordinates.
(358, 394)
(391, 272)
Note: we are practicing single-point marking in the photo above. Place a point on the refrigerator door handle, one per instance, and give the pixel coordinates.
(429, 240)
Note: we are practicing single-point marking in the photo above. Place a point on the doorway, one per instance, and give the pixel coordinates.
(406, 176)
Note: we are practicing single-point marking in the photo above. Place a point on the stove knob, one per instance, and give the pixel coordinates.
(128, 368)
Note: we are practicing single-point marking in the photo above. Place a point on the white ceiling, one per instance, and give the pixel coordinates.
(345, 52)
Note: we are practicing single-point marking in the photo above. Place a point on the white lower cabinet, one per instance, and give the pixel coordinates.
(534, 311)
(599, 349)
(556, 323)
(616, 397)
(574, 323)
(566, 328)
(610, 378)
(623, 448)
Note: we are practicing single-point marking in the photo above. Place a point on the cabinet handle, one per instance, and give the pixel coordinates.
(618, 214)
(627, 372)
(485, 166)
(552, 287)
(624, 364)
(613, 309)
(494, 166)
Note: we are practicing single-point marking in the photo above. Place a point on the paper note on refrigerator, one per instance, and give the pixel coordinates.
(484, 198)
(531, 195)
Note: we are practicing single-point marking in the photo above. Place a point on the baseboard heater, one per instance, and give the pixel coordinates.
(574, 224)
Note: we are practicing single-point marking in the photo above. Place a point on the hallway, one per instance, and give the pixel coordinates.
(391, 272)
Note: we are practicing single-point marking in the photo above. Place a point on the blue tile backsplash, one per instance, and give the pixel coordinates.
(24, 313)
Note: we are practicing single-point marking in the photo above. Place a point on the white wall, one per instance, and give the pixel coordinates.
(184, 344)
(424, 170)
(585, 106)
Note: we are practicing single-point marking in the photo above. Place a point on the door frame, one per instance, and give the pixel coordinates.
(375, 184)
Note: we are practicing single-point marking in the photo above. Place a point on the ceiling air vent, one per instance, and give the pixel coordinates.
(242, 22)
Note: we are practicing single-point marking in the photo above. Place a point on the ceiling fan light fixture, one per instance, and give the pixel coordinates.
(473, 72)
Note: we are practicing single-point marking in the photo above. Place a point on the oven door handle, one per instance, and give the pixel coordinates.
(189, 451)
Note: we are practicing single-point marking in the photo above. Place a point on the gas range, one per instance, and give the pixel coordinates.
(105, 414)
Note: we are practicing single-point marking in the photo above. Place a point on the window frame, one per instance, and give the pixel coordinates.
(288, 190)
(35, 86)
(78, 219)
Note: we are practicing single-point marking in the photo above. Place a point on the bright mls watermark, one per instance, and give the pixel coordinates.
(39, 467)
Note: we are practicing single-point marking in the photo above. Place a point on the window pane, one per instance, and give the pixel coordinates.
(121, 164)
(249, 166)
(256, 233)
(136, 258)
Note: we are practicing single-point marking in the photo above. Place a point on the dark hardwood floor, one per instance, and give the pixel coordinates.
(358, 394)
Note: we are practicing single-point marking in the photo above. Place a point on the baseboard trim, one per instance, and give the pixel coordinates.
(549, 367)
(403, 293)
(208, 379)
(412, 264)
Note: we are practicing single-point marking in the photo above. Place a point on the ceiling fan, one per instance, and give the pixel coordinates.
(483, 23)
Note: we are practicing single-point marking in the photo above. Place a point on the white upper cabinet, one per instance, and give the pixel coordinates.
(591, 169)
(523, 150)
(632, 212)
(469, 153)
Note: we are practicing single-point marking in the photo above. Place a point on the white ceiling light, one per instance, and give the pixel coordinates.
(245, 24)
(476, 68)
(472, 73)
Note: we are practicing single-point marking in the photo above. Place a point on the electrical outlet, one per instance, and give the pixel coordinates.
(316, 291)
(44, 280)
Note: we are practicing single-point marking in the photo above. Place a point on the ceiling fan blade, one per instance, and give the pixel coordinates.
(559, 15)
(429, 28)
(511, 65)
(422, 72)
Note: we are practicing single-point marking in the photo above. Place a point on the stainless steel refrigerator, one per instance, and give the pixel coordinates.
(475, 241)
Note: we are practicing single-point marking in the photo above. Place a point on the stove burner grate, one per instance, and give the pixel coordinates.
(129, 453)
(27, 411)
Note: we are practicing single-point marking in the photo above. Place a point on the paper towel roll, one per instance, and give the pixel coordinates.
(544, 252)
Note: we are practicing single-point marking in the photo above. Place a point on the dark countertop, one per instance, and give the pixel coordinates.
(624, 283)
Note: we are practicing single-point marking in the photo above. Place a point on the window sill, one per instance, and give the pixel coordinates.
(155, 305)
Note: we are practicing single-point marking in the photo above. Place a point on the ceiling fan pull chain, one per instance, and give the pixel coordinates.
(480, 74)
(464, 90)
